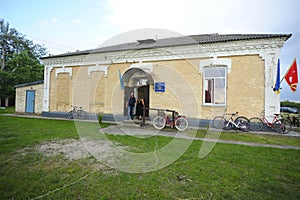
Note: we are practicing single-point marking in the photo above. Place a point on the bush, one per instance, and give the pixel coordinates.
(100, 117)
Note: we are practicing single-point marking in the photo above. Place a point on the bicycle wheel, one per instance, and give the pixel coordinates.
(282, 126)
(227, 125)
(159, 122)
(71, 114)
(243, 123)
(181, 124)
(256, 124)
(219, 122)
(82, 114)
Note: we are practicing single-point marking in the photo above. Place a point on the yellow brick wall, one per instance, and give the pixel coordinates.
(114, 96)
(184, 93)
(182, 82)
(245, 92)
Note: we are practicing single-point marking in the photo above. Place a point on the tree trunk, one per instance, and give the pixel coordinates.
(6, 102)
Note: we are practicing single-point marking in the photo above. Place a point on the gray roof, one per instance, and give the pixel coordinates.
(29, 84)
(175, 41)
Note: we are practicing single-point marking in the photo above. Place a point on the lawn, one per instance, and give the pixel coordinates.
(228, 172)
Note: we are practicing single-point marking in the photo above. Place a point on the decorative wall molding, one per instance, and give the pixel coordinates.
(47, 73)
(215, 62)
(148, 67)
(63, 70)
(98, 68)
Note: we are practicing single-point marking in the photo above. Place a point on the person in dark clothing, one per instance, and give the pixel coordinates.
(139, 107)
(130, 106)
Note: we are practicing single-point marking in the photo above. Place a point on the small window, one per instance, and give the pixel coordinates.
(214, 86)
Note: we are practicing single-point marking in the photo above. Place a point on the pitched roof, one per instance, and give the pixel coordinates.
(29, 84)
(174, 41)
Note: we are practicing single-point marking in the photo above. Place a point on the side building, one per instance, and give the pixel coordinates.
(200, 76)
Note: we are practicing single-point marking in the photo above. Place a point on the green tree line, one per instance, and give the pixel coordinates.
(290, 104)
(19, 60)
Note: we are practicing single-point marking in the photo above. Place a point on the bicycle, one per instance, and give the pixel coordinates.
(240, 122)
(177, 121)
(278, 124)
(77, 112)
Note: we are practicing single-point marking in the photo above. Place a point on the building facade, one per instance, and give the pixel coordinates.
(29, 98)
(200, 76)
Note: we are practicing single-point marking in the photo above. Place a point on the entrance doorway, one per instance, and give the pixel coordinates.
(143, 92)
(30, 98)
(137, 81)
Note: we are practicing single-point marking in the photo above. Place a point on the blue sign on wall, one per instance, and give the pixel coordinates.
(159, 87)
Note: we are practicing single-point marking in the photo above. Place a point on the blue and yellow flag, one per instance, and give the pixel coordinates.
(121, 81)
(276, 89)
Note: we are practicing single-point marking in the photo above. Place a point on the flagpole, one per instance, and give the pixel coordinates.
(288, 70)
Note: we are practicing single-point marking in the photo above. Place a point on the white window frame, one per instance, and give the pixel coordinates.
(213, 103)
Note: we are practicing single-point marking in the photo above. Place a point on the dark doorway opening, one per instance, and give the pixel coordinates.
(143, 92)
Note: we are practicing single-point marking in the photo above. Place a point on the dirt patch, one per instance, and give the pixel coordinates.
(71, 149)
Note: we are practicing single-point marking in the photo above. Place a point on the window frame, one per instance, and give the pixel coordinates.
(214, 78)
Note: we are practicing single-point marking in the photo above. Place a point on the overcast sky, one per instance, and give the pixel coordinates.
(70, 25)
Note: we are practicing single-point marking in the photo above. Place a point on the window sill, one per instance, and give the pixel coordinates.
(213, 105)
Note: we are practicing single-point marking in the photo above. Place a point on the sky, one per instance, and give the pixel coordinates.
(70, 25)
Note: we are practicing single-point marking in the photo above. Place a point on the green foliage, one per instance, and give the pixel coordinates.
(100, 117)
(290, 104)
(19, 60)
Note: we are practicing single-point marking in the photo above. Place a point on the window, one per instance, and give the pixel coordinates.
(214, 85)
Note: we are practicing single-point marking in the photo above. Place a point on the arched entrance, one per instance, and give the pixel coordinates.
(137, 81)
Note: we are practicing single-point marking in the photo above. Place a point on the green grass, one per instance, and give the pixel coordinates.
(256, 138)
(9, 110)
(228, 172)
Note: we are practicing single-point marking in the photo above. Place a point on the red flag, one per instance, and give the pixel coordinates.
(291, 76)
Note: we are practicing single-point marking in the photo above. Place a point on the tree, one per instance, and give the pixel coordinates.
(19, 60)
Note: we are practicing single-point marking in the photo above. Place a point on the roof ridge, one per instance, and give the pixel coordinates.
(175, 41)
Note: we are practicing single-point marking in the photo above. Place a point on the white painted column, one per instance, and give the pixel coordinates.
(272, 100)
(47, 72)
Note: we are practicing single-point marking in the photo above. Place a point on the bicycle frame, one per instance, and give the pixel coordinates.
(176, 121)
(171, 120)
(231, 121)
(268, 123)
(236, 123)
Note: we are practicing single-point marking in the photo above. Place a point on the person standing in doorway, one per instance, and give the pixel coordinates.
(139, 107)
(131, 104)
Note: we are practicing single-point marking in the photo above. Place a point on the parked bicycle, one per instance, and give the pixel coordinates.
(232, 122)
(278, 124)
(179, 121)
(77, 112)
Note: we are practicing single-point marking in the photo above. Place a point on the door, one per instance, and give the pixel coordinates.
(143, 92)
(30, 97)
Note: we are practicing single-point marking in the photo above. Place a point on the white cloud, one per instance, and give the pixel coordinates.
(76, 21)
(53, 20)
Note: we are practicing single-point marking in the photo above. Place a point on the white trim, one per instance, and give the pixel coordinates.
(98, 68)
(225, 85)
(148, 67)
(272, 100)
(47, 73)
(215, 62)
(63, 70)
